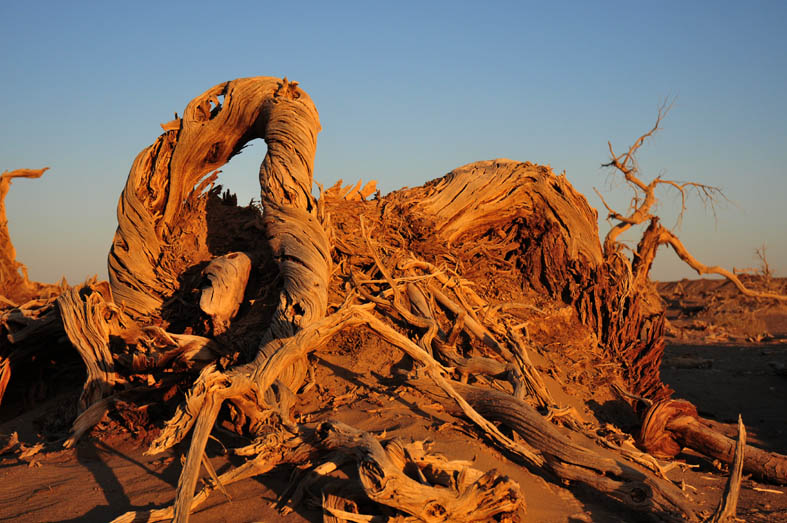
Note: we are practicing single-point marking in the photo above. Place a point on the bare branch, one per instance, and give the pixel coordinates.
(708, 194)
(644, 193)
(667, 236)
(727, 508)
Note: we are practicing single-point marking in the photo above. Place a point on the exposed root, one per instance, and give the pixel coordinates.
(463, 275)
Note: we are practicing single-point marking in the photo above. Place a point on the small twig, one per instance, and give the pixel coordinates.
(769, 490)
(401, 279)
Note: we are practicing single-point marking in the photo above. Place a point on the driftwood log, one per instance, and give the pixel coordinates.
(459, 275)
(670, 426)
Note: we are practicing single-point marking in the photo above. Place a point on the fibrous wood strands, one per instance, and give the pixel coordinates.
(162, 223)
(461, 276)
(508, 199)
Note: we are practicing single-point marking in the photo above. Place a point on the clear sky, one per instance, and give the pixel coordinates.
(406, 92)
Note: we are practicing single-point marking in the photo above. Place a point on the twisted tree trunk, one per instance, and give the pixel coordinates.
(151, 228)
(162, 224)
(437, 272)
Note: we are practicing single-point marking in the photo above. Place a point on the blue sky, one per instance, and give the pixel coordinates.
(406, 92)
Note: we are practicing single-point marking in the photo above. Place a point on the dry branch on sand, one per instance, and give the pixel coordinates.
(440, 272)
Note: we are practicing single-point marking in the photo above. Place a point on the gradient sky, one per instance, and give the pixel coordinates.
(406, 92)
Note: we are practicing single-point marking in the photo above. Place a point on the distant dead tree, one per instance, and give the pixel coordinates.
(641, 211)
(15, 286)
(765, 267)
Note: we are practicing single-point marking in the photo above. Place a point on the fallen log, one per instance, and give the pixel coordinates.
(638, 489)
(670, 426)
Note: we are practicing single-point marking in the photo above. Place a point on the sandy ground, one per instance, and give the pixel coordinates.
(106, 476)
(724, 381)
(101, 479)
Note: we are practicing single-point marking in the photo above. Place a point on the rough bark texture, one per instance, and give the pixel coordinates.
(571, 461)
(86, 312)
(462, 276)
(526, 214)
(162, 224)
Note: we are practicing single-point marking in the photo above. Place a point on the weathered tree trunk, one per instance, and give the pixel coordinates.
(422, 269)
(162, 226)
(85, 312)
(160, 203)
(524, 213)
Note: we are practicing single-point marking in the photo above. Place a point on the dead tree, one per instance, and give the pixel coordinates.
(28, 317)
(15, 286)
(503, 206)
(447, 273)
(641, 211)
(668, 426)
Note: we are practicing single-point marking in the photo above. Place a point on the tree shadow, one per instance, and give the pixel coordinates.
(355, 378)
(89, 454)
(616, 412)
